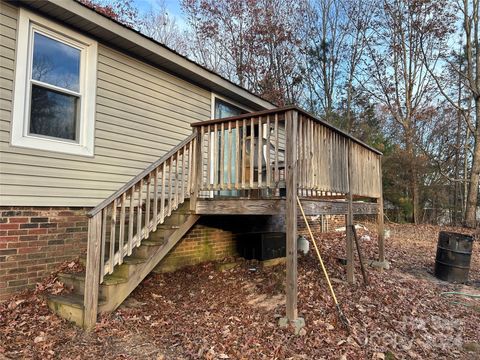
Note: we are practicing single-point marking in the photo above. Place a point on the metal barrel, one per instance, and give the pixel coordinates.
(454, 252)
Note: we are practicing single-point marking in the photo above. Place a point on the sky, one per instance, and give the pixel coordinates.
(172, 5)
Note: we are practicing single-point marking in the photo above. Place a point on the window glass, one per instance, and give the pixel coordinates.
(223, 110)
(56, 63)
(53, 113)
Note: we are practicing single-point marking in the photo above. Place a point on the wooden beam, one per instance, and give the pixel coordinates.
(240, 207)
(92, 271)
(291, 122)
(277, 207)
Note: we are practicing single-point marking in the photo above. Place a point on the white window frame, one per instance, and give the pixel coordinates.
(29, 23)
(225, 100)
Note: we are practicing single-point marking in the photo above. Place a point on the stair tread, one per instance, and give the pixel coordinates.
(108, 279)
(74, 300)
(133, 260)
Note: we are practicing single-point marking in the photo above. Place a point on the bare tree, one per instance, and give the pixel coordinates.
(159, 24)
(395, 73)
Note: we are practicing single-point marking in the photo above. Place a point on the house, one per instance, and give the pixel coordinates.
(114, 144)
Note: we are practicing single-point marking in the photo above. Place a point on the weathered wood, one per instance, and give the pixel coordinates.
(222, 155)
(170, 187)
(349, 224)
(134, 181)
(380, 221)
(162, 196)
(198, 179)
(104, 214)
(229, 157)
(147, 207)
(131, 211)
(269, 165)
(259, 141)
(244, 152)
(277, 173)
(251, 154)
(215, 158)
(113, 223)
(274, 206)
(237, 155)
(121, 232)
(291, 121)
(155, 200)
(140, 210)
(92, 271)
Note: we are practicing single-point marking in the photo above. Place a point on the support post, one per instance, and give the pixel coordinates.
(349, 220)
(380, 225)
(198, 171)
(92, 272)
(291, 123)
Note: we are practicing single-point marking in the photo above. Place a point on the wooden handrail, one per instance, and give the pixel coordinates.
(140, 176)
(283, 110)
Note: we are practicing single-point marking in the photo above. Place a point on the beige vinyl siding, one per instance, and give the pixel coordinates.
(141, 113)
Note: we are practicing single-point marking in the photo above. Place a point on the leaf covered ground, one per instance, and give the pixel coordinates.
(203, 313)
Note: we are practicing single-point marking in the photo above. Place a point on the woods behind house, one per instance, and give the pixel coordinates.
(403, 76)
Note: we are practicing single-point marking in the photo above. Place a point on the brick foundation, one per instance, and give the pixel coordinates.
(35, 240)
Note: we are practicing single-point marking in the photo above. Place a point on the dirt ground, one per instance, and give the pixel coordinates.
(203, 313)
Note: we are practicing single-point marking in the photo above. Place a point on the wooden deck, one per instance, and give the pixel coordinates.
(253, 164)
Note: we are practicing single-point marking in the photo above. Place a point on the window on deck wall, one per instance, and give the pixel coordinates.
(55, 88)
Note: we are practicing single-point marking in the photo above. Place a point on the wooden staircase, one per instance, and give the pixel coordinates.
(116, 286)
(129, 233)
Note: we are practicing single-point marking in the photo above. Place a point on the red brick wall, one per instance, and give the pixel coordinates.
(202, 243)
(34, 241)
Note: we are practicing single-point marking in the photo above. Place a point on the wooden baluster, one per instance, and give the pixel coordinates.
(162, 194)
(222, 155)
(113, 222)
(155, 200)
(184, 174)
(176, 182)
(139, 213)
(237, 155)
(244, 152)
(121, 233)
(260, 152)
(130, 220)
(215, 156)
(170, 187)
(102, 242)
(191, 167)
(277, 172)
(252, 149)
(229, 157)
(209, 157)
(300, 152)
(147, 207)
(269, 167)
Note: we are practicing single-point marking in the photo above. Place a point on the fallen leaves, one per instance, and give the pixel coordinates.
(201, 313)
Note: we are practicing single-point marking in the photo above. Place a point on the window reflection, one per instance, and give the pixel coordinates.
(56, 63)
(53, 113)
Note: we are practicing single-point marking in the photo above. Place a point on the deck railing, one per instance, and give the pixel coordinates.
(119, 224)
(247, 152)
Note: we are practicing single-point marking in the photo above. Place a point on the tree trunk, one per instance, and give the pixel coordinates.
(472, 197)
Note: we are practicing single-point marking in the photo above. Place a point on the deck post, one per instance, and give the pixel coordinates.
(380, 224)
(349, 220)
(291, 123)
(198, 171)
(92, 271)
